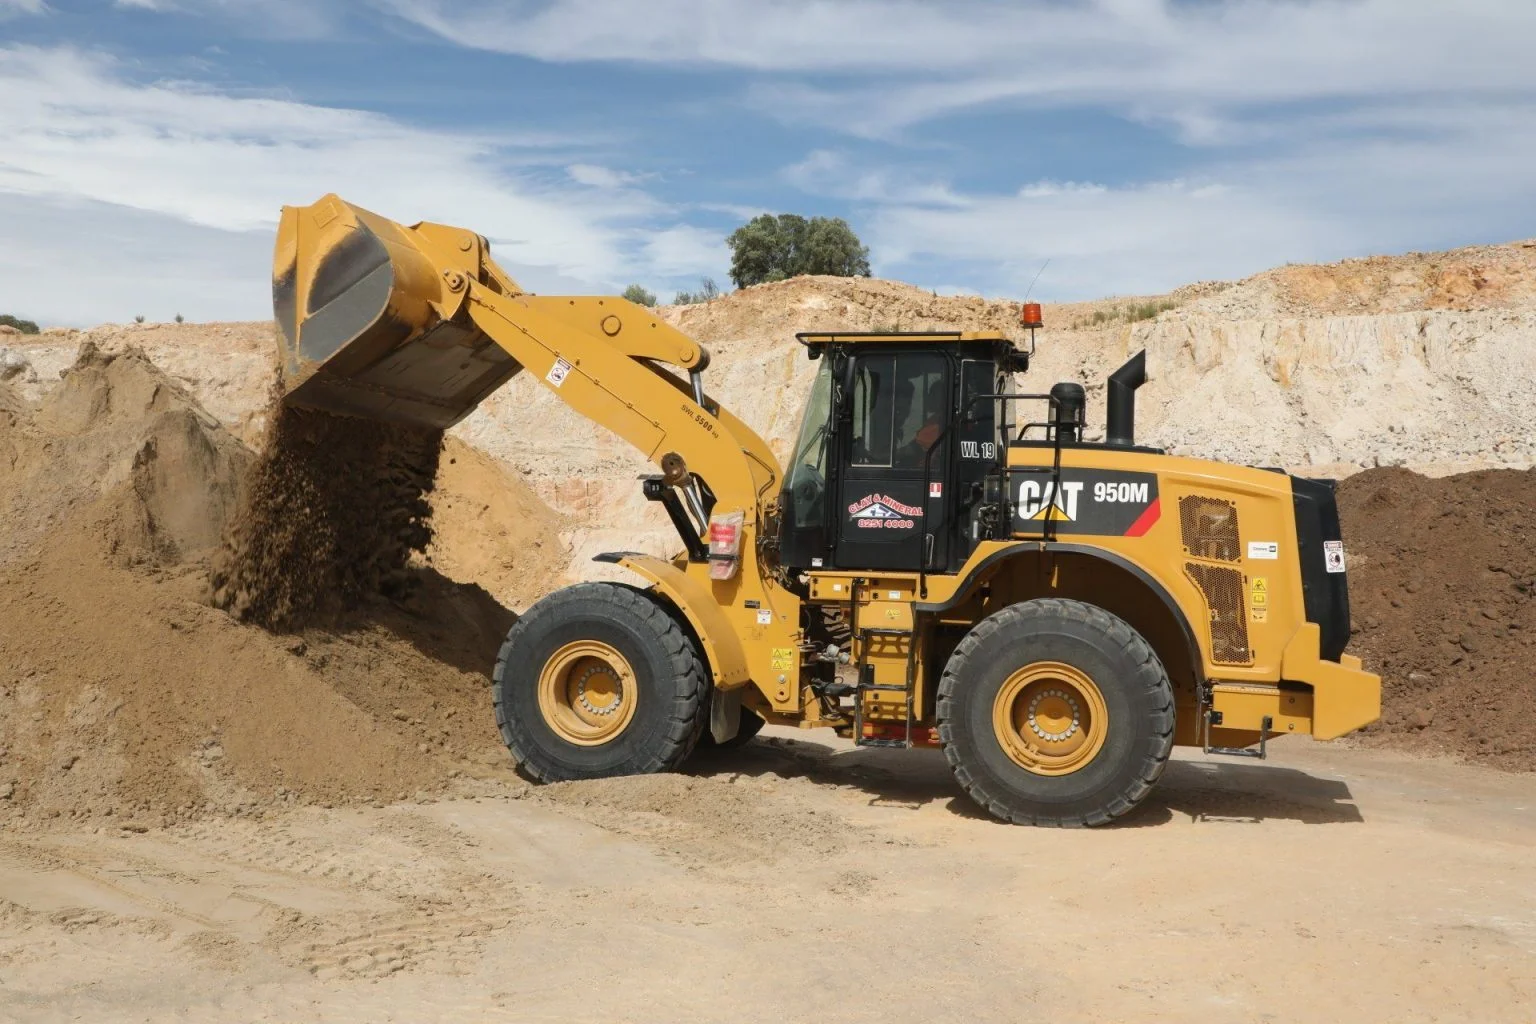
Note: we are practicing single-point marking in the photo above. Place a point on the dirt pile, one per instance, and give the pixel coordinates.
(335, 508)
(125, 696)
(1442, 578)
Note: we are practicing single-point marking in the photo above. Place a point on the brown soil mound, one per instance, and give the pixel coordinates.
(1442, 575)
(123, 695)
(335, 508)
(490, 528)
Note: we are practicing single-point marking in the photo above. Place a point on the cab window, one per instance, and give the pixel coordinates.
(900, 405)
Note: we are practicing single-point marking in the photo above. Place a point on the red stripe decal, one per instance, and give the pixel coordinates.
(1144, 521)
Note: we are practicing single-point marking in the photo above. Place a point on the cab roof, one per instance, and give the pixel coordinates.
(818, 339)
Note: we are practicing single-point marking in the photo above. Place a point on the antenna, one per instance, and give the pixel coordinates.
(1037, 276)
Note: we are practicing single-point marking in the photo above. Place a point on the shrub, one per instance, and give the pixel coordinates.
(708, 292)
(639, 296)
(24, 326)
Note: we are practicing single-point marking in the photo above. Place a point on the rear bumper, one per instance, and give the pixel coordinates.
(1324, 698)
(1344, 696)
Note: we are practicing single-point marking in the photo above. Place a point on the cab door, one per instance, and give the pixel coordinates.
(896, 437)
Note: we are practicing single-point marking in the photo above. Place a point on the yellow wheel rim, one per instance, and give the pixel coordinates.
(1050, 718)
(587, 693)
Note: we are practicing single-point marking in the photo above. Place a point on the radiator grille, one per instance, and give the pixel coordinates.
(1209, 526)
(1223, 592)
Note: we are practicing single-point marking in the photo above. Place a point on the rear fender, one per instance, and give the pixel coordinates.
(722, 647)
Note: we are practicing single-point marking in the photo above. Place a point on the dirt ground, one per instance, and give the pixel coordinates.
(796, 880)
(205, 821)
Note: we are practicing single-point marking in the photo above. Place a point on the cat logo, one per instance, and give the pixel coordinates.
(1042, 500)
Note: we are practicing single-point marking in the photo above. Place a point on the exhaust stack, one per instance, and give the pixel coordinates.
(1120, 428)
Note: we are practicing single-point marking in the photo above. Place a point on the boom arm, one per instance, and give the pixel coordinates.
(419, 325)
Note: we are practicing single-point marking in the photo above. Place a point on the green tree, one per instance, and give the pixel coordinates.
(24, 326)
(639, 296)
(774, 247)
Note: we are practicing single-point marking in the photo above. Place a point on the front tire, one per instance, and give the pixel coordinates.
(597, 680)
(1055, 712)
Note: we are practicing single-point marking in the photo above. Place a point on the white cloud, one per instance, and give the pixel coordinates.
(601, 177)
(1146, 50)
(10, 8)
(1334, 194)
(81, 138)
(682, 253)
(257, 19)
(831, 173)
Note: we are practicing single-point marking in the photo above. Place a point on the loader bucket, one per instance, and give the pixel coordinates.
(368, 327)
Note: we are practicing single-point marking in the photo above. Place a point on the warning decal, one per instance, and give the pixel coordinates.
(1333, 555)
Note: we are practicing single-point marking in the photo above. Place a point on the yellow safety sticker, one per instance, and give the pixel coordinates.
(783, 659)
(1258, 599)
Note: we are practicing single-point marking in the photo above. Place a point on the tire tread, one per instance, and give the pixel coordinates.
(682, 655)
(1148, 675)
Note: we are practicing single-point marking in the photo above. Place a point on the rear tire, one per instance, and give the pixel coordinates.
(597, 680)
(1055, 712)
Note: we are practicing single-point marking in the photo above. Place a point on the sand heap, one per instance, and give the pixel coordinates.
(1442, 578)
(124, 695)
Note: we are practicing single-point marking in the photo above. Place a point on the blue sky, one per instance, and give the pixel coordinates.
(147, 145)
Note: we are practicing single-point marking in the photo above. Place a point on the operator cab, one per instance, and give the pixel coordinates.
(900, 435)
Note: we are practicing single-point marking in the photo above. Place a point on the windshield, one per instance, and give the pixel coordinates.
(807, 470)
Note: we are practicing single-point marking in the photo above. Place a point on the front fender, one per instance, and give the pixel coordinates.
(722, 647)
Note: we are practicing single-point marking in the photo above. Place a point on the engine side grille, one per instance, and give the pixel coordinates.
(1209, 527)
(1223, 592)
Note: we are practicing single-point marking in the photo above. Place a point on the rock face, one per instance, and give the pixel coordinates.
(1419, 361)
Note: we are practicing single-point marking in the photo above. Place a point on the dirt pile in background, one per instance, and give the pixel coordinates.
(125, 696)
(335, 508)
(117, 433)
(1442, 578)
(489, 527)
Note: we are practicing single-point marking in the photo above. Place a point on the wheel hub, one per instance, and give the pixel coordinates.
(1050, 718)
(1054, 715)
(587, 693)
(598, 692)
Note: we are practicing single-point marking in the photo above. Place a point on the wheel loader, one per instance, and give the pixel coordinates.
(945, 561)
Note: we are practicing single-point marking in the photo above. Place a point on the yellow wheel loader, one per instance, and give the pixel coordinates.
(946, 560)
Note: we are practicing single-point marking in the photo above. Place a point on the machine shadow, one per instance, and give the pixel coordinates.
(457, 624)
(1199, 791)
